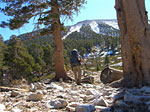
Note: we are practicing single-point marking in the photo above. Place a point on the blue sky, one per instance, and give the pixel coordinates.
(94, 9)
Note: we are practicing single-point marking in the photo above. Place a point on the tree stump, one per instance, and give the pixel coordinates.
(109, 75)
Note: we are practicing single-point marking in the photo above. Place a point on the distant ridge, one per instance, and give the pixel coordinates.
(100, 26)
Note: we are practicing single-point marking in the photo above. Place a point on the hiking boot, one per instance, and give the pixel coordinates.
(78, 83)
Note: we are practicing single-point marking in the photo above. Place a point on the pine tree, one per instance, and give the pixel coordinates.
(48, 57)
(19, 62)
(1, 51)
(2, 62)
(37, 53)
(48, 13)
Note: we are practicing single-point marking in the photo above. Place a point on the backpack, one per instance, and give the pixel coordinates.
(74, 59)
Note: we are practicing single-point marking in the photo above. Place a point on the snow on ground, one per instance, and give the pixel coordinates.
(117, 64)
(119, 58)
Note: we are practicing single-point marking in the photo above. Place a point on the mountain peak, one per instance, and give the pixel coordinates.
(99, 26)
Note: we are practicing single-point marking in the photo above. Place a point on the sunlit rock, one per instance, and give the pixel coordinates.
(85, 108)
(58, 103)
(35, 97)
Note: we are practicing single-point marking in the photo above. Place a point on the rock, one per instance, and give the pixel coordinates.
(121, 103)
(118, 110)
(92, 92)
(102, 109)
(39, 85)
(36, 86)
(32, 110)
(57, 104)
(14, 93)
(107, 93)
(85, 108)
(74, 93)
(115, 96)
(70, 109)
(35, 97)
(100, 102)
(24, 81)
(88, 97)
(131, 98)
(148, 108)
(33, 88)
(16, 110)
(55, 86)
(73, 104)
(146, 89)
(88, 79)
(2, 107)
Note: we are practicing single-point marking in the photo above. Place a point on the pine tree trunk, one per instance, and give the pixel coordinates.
(58, 44)
(135, 42)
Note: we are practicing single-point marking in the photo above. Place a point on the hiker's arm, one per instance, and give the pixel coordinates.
(83, 61)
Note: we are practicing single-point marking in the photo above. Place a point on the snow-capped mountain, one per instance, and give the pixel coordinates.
(104, 27)
(85, 28)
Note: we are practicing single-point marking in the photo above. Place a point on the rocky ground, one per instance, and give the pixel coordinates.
(69, 97)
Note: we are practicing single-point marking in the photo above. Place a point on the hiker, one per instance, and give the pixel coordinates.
(75, 61)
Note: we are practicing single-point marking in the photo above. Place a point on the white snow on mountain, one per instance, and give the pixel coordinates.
(94, 24)
(112, 23)
(73, 29)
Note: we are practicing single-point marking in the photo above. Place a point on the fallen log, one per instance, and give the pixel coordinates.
(109, 75)
(6, 89)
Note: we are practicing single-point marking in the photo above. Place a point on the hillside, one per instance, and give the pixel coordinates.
(83, 36)
(103, 27)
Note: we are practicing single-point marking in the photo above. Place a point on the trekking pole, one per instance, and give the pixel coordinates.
(85, 66)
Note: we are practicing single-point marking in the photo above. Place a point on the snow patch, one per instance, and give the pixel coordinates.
(94, 27)
(114, 24)
(117, 64)
(73, 29)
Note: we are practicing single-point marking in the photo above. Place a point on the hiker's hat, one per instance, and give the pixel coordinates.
(75, 50)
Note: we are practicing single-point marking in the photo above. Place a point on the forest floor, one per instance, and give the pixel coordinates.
(70, 97)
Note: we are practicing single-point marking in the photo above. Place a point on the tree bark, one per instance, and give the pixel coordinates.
(58, 44)
(135, 42)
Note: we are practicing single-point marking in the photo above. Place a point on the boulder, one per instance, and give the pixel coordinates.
(100, 102)
(73, 104)
(57, 104)
(91, 92)
(35, 97)
(146, 89)
(102, 109)
(14, 93)
(33, 88)
(128, 97)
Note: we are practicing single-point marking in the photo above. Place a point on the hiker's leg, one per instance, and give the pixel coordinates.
(79, 74)
(75, 73)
